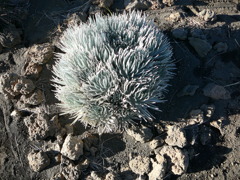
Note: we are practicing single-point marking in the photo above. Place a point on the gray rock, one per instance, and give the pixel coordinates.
(156, 142)
(221, 47)
(38, 160)
(57, 176)
(168, 2)
(138, 5)
(155, 4)
(192, 133)
(94, 176)
(32, 69)
(76, 18)
(140, 165)
(218, 124)
(70, 171)
(112, 176)
(12, 85)
(176, 136)
(158, 168)
(85, 164)
(51, 146)
(179, 159)
(16, 114)
(216, 92)
(106, 3)
(35, 98)
(72, 147)
(3, 157)
(94, 9)
(142, 134)
(202, 47)
(208, 110)
(188, 90)
(40, 126)
(40, 53)
(160, 129)
(207, 15)
(174, 17)
(196, 117)
(180, 33)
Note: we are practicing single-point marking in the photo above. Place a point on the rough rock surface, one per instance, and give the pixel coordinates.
(112, 176)
(218, 124)
(156, 142)
(71, 171)
(207, 15)
(208, 110)
(140, 165)
(155, 4)
(168, 2)
(106, 3)
(57, 176)
(40, 126)
(176, 136)
(36, 56)
(216, 92)
(142, 134)
(85, 164)
(51, 146)
(16, 114)
(179, 159)
(40, 53)
(3, 157)
(76, 18)
(202, 47)
(33, 69)
(94, 176)
(158, 169)
(174, 17)
(196, 117)
(72, 147)
(12, 85)
(38, 160)
(137, 5)
(35, 98)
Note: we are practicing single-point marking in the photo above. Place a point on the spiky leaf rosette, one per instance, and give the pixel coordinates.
(113, 70)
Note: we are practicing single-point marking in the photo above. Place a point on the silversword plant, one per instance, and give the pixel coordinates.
(113, 69)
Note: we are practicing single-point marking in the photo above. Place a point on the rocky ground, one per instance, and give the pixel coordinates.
(197, 134)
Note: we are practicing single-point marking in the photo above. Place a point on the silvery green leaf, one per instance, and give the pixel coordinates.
(113, 69)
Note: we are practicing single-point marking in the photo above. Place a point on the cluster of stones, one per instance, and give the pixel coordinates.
(171, 153)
